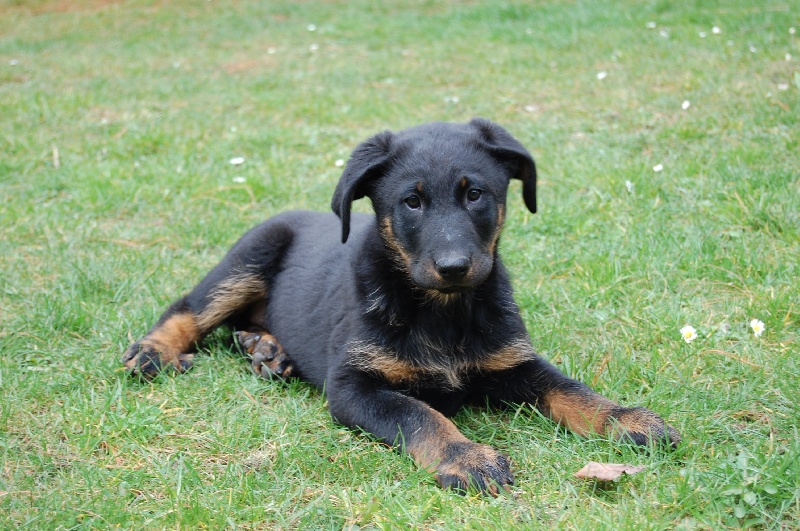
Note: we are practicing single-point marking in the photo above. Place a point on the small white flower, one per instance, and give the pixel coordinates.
(688, 333)
(783, 86)
(602, 74)
(531, 108)
(339, 163)
(651, 25)
(716, 30)
(13, 62)
(703, 34)
(313, 47)
(686, 104)
(272, 50)
(451, 99)
(757, 326)
(311, 27)
(753, 49)
(239, 180)
(664, 33)
(787, 57)
(629, 187)
(237, 161)
(792, 30)
(658, 167)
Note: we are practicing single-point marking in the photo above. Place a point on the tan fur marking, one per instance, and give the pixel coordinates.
(229, 296)
(501, 218)
(440, 298)
(387, 233)
(176, 335)
(378, 360)
(428, 444)
(582, 414)
(507, 358)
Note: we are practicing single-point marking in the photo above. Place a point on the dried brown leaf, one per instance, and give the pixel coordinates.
(606, 471)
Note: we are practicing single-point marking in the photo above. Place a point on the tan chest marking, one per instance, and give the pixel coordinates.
(373, 359)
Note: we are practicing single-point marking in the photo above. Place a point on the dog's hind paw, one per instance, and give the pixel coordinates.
(267, 358)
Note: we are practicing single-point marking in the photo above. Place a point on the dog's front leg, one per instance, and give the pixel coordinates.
(360, 401)
(234, 286)
(576, 406)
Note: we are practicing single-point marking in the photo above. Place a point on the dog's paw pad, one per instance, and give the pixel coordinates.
(267, 358)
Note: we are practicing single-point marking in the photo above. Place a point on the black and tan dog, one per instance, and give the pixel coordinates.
(401, 316)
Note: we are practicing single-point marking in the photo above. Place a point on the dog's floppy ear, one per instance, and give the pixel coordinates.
(367, 161)
(506, 149)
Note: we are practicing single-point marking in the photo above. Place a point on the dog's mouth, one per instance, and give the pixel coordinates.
(452, 290)
(429, 280)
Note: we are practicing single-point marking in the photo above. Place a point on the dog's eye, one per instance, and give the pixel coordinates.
(473, 194)
(413, 202)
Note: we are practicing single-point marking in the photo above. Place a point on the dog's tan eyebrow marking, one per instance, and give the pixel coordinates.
(464, 182)
(418, 187)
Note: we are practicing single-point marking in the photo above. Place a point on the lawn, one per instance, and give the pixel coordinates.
(667, 137)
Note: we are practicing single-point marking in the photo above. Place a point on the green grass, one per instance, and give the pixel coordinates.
(146, 102)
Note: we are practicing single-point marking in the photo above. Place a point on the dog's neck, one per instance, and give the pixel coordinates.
(413, 314)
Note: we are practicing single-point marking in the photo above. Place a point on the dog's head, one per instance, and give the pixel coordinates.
(439, 193)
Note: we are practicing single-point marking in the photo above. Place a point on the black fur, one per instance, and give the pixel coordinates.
(403, 315)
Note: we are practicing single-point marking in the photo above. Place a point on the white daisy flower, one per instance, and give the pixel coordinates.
(757, 326)
(688, 333)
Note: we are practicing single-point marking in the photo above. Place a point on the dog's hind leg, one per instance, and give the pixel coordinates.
(227, 294)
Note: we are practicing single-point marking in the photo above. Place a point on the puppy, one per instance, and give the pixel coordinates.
(401, 316)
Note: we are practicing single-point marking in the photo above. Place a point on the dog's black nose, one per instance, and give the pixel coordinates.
(452, 268)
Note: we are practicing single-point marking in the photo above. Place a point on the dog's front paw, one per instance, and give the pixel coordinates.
(147, 358)
(470, 466)
(643, 427)
(267, 357)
